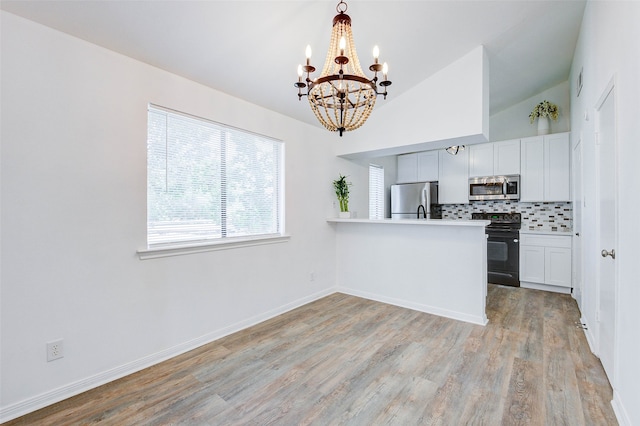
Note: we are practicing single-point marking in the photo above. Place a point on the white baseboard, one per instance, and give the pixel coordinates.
(618, 409)
(29, 405)
(589, 335)
(480, 320)
(545, 287)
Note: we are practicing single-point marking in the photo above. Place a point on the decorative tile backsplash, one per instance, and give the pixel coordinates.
(555, 217)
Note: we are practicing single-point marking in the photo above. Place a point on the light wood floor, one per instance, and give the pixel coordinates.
(346, 360)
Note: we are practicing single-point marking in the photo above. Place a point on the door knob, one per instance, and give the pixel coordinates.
(611, 253)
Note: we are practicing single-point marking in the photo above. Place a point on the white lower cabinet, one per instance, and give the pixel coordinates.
(545, 262)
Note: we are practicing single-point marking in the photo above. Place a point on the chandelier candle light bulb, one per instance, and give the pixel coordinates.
(342, 97)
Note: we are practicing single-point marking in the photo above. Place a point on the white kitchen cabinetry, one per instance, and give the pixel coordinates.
(506, 158)
(407, 168)
(453, 187)
(481, 160)
(428, 166)
(492, 159)
(418, 167)
(545, 262)
(545, 168)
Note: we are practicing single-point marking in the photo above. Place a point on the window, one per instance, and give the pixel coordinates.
(376, 192)
(207, 181)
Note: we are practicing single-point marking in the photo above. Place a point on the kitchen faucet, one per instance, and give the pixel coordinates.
(424, 212)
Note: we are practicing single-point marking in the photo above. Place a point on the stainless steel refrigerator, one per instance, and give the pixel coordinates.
(414, 200)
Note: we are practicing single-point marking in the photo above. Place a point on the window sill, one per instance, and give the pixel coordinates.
(179, 250)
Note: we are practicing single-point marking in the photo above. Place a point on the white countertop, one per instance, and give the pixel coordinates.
(421, 222)
(560, 233)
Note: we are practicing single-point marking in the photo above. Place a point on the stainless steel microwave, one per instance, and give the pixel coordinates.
(494, 188)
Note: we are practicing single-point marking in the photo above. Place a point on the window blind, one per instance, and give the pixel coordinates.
(376, 192)
(207, 181)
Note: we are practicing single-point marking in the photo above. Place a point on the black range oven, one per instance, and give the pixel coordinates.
(503, 247)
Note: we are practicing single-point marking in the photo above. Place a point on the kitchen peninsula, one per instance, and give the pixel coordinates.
(433, 266)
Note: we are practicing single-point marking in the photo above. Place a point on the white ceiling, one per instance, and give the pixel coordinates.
(251, 49)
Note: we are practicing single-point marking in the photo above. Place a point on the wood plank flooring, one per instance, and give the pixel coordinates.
(347, 360)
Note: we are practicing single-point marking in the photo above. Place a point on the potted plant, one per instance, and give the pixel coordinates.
(543, 111)
(341, 186)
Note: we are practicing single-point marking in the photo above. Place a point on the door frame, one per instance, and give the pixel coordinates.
(577, 189)
(610, 88)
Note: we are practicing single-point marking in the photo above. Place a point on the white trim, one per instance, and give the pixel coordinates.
(610, 90)
(179, 250)
(618, 409)
(51, 397)
(589, 335)
(546, 287)
(473, 319)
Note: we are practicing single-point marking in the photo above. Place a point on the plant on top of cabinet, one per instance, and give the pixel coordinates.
(543, 111)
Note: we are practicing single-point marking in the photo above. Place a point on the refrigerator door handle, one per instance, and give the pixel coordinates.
(426, 192)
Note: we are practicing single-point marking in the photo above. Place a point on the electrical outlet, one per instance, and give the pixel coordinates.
(55, 350)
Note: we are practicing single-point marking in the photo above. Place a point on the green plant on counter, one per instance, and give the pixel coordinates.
(341, 187)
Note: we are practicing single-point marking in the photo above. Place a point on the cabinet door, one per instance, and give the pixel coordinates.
(557, 168)
(481, 160)
(407, 168)
(532, 263)
(454, 177)
(557, 266)
(532, 169)
(506, 157)
(428, 166)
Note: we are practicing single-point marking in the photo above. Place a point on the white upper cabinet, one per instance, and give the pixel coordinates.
(481, 160)
(497, 158)
(428, 166)
(453, 187)
(407, 168)
(532, 169)
(557, 167)
(545, 168)
(418, 167)
(506, 158)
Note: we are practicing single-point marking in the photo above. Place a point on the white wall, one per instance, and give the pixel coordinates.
(609, 47)
(456, 113)
(513, 122)
(74, 213)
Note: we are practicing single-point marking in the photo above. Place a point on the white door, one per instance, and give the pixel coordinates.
(606, 226)
(577, 222)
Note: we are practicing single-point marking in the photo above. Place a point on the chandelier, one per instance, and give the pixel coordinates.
(342, 98)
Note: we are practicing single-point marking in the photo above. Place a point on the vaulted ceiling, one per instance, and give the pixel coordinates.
(251, 49)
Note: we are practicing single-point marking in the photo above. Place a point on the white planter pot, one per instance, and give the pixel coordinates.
(543, 126)
(344, 215)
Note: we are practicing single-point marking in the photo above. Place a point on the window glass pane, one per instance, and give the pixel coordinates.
(208, 181)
